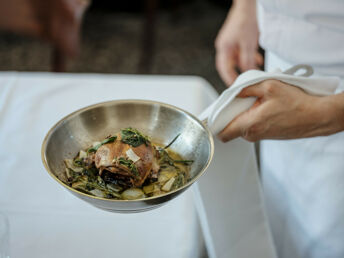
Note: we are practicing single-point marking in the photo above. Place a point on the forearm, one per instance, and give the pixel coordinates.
(331, 109)
(242, 9)
(245, 5)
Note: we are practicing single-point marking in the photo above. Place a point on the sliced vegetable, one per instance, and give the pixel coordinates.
(68, 173)
(114, 187)
(166, 175)
(100, 185)
(98, 193)
(72, 176)
(168, 185)
(82, 154)
(132, 194)
(70, 164)
(151, 188)
(132, 155)
(162, 178)
(81, 183)
(179, 182)
(158, 193)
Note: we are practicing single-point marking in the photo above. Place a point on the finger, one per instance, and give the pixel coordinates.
(255, 90)
(259, 59)
(225, 64)
(232, 63)
(247, 58)
(233, 129)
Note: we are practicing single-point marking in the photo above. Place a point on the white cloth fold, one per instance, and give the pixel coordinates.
(228, 106)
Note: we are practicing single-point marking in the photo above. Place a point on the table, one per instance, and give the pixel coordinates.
(47, 221)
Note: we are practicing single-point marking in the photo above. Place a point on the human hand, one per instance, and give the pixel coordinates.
(237, 42)
(283, 111)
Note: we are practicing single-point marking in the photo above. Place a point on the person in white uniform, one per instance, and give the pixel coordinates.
(302, 152)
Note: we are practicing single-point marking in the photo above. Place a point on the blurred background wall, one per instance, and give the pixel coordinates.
(136, 36)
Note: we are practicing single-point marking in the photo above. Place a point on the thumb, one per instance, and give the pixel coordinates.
(235, 128)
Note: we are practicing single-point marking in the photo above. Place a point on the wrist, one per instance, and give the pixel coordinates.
(331, 110)
(244, 6)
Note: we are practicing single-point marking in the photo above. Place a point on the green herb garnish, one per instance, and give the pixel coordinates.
(107, 140)
(165, 158)
(99, 184)
(133, 137)
(91, 173)
(180, 181)
(129, 164)
(78, 163)
(184, 161)
(174, 139)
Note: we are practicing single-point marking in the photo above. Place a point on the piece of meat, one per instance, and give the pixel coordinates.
(89, 160)
(107, 155)
(114, 178)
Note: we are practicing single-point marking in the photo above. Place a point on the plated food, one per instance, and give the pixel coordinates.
(127, 166)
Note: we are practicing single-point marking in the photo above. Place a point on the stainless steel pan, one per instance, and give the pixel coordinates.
(162, 122)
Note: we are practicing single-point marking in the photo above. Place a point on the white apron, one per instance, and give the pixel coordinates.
(303, 180)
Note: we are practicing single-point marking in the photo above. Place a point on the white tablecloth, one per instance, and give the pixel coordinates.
(47, 221)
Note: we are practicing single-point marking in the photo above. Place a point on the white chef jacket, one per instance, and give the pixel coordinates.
(303, 180)
(305, 31)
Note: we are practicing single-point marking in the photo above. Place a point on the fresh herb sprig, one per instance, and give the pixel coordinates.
(165, 158)
(107, 140)
(186, 162)
(133, 137)
(129, 164)
(174, 139)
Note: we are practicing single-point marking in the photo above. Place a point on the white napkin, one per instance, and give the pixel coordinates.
(227, 106)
